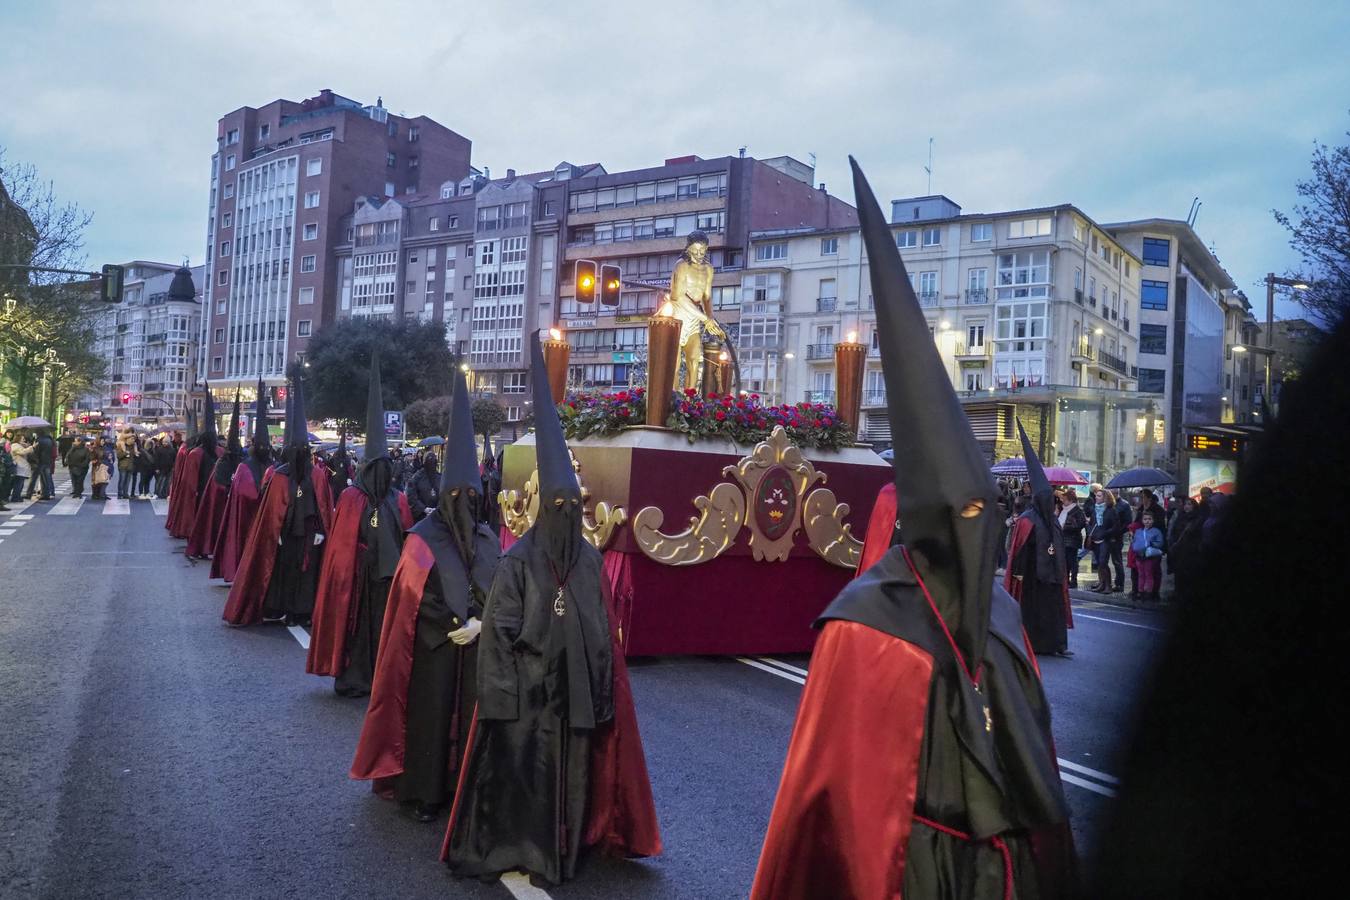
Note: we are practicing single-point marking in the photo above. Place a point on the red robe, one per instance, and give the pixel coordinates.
(335, 601)
(240, 509)
(1021, 533)
(175, 492)
(880, 528)
(206, 524)
(184, 514)
(840, 828)
(244, 606)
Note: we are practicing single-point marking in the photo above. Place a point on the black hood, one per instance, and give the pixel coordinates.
(558, 525)
(260, 448)
(1042, 494)
(1050, 560)
(234, 451)
(458, 500)
(296, 453)
(940, 471)
(377, 444)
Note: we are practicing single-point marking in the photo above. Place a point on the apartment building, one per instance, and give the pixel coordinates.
(150, 343)
(282, 178)
(639, 220)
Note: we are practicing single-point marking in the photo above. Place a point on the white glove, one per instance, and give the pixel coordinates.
(318, 539)
(468, 634)
(428, 510)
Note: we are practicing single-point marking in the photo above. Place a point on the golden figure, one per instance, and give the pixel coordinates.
(691, 303)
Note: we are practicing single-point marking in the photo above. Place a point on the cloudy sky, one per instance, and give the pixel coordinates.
(1127, 110)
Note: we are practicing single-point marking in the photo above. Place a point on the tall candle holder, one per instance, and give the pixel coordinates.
(557, 352)
(716, 369)
(663, 361)
(850, 358)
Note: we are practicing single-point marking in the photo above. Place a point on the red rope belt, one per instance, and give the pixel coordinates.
(996, 842)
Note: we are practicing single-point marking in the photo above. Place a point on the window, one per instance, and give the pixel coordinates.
(550, 208)
(412, 162)
(224, 248)
(932, 237)
(829, 246)
(975, 335)
(486, 252)
(311, 231)
(982, 232)
(306, 297)
(220, 336)
(229, 162)
(217, 363)
(1024, 275)
(264, 131)
(229, 189)
(434, 223)
(928, 288)
(513, 383)
(413, 133)
(977, 286)
(1153, 339)
(314, 166)
(905, 239)
(1152, 381)
(1152, 294)
(513, 250)
(1079, 231)
(1025, 228)
(1157, 252)
(453, 222)
(227, 220)
(771, 251)
(307, 263)
(311, 199)
(975, 380)
(232, 136)
(1020, 327)
(302, 328)
(391, 160)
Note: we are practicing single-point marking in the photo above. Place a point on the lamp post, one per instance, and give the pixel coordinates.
(1271, 280)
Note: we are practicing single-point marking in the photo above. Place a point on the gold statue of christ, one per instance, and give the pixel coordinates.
(691, 302)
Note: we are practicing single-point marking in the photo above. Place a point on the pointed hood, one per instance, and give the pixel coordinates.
(377, 443)
(209, 439)
(298, 435)
(460, 469)
(946, 498)
(1042, 494)
(260, 435)
(286, 416)
(1051, 557)
(489, 458)
(234, 451)
(190, 422)
(556, 476)
(232, 441)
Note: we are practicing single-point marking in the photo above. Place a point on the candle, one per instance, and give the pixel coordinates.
(850, 358)
(716, 369)
(663, 362)
(556, 354)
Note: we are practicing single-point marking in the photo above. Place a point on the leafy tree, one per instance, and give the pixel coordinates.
(427, 417)
(415, 363)
(488, 416)
(1319, 229)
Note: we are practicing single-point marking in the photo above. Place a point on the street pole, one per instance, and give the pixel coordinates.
(1269, 335)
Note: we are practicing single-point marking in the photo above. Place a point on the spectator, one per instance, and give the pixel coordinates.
(126, 459)
(144, 466)
(44, 462)
(1147, 548)
(1072, 521)
(99, 469)
(164, 456)
(6, 472)
(1106, 526)
(1148, 503)
(423, 490)
(64, 443)
(23, 468)
(77, 461)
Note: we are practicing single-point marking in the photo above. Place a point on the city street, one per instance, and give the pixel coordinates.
(150, 750)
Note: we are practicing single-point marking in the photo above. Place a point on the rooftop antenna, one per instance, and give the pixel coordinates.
(1195, 215)
(1194, 211)
(929, 168)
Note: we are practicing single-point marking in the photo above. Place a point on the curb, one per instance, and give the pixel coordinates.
(1121, 600)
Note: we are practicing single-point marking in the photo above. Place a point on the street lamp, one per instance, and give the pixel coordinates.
(1271, 280)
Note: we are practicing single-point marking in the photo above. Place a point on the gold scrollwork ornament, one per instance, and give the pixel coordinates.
(521, 508)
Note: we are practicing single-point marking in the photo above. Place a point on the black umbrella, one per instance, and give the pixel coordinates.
(431, 442)
(1142, 476)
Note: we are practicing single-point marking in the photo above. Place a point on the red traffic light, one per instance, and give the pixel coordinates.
(126, 398)
(585, 282)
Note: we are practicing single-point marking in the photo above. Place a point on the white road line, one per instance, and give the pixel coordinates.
(67, 506)
(6, 531)
(519, 885)
(1079, 615)
(1064, 776)
(301, 635)
(17, 508)
(161, 507)
(117, 508)
(782, 665)
(13, 524)
(23, 518)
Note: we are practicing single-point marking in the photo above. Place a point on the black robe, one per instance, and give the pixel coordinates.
(295, 576)
(544, 682)
(1040, 585)
(382, 542)
(423, 493)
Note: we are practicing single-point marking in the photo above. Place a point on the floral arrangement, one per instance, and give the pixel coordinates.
(744, 419)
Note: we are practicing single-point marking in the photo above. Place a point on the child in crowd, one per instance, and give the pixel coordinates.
(1146, 552)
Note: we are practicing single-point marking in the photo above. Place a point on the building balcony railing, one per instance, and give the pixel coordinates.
(820, 351)
(827, 304)
(982, 351)
(1125, 323)
(489, 224)
(874, 398)
(515, 221)
(928, 298)
(156, 338)
(1115, 363)
(977, 295)
(376, 240)
(1078, 296)
(819, 397)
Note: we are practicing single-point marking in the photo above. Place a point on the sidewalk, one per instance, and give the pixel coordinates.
(1087, 578)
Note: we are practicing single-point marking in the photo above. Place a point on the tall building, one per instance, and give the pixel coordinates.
(640, 219)
(149, 341)
(282, 178)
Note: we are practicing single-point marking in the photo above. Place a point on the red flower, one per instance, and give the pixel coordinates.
(621, 396)
(816, 423)
(690, 392)
(623, 411)
(720, 416)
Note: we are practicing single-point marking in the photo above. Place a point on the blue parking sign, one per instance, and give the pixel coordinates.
(393, 424)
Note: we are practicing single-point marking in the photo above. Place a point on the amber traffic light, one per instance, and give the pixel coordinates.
(586, 281)
(611, 282)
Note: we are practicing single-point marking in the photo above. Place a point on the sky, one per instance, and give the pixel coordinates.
(1128, 111)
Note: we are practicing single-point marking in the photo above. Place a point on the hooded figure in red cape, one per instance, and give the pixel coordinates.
(360, 556)
(279, 571)
(1036, 576)
(182, 486)
(417, 725)
(921, 764)
(215, 493)
(245, 493)
(555, 760)
(197, 467)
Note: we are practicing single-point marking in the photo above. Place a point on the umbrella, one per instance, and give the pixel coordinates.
(1063, 475)
(1142, 476)
(1014, 466)
(431, 442)
(28, 422)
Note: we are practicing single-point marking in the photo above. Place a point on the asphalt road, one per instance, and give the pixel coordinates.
(147, 750)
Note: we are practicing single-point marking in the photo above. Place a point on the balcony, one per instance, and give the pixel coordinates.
(975, 351)
(819, 397)
(977, 295)
(156, 338)
(928, 298)
(1112, 362)
(376, 240)
(1078, 296)
(820, 351)
(515, 222)
(827, 304)
(1125, 323)
(873, 398)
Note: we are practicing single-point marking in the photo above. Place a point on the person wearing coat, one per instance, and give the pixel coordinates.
(77, 461)
(1072, 521)
(1106, 524)
(422, 490)
(126, 459)
(23, 470)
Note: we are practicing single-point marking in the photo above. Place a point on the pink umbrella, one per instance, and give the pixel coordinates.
(1063, 475)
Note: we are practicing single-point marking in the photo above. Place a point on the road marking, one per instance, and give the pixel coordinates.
(1064, 763)
(161, 507)
(782, 665)
(1118, 622)
(23, 518)
(19, 507)
(67, 506)
(117, 508)
(301, 635)
(6, 531)
(12, 524)
(518, 883)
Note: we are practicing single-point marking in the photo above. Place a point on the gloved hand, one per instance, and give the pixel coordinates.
(318, 539)
(468, 634)
(428, 510)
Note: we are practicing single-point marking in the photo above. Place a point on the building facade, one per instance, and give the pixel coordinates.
(282, 178)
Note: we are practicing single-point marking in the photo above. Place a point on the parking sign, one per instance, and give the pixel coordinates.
(393, 424)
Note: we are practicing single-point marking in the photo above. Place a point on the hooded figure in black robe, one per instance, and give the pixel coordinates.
(424, 489)
(492, 485)
(922, 670)
(340, 467)
(295, 574)
(1036, 575)
(545, 682)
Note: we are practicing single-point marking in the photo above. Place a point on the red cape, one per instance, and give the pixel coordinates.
(206, 524)
(1021, 533)
(621, 815)
(335, 600)
(249, 589)
(880, 529)
(177, 495)
(240, 508)
(841, 829)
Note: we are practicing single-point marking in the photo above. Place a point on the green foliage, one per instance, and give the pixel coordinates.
(415, 364)
(427, 417)
(488, 416)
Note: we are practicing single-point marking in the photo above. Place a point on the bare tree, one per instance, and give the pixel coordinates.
(1319, 229)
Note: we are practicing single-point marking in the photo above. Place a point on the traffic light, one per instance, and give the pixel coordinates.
(110, 284)
(611, 281)
(126, 399)
(585, 281)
